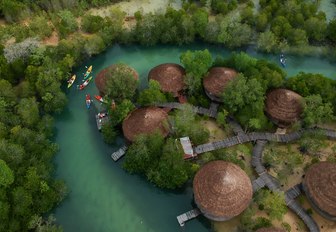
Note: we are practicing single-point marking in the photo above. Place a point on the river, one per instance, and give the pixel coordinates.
(103, 197)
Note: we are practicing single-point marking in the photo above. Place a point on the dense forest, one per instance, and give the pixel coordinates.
(32, 75)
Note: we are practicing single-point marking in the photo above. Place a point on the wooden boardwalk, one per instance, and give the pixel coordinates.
(183, 218)
(254, 136)
(118, 154)
(261, 138)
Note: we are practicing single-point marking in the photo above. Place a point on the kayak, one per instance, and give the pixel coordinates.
(283, 60)
(71, 81)
(88, 71)
(85, 83)
(88, 101)
(99, 98)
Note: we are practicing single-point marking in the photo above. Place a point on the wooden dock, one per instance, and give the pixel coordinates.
(183, 218)
(118, 154)
(101, 121)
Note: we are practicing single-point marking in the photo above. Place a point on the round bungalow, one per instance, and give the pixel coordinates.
(216, 80)
(270, 229)
(170, 77)
(145, 121)
(222, 190)
(319, 185)
(283, 106)
(106, 73)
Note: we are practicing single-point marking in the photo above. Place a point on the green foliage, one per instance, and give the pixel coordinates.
(200, 19)
(312, 143)
(248, 223)
(28, 111)
(172, 171)
(221, 118)
(184, 123)
(41, 225)
(286, 226)
(121, 83)
(230, 156)
(65, 23)
(109, 133)
(233, 33)
(273, 202)
(315, 111)
(40, 26)
(307, 84)
(6, 175)
(331, 31)
(242, 92)
(92, 23)
(196, 64)
(315, 28)
(283, 162)
(121, 111)
(94, 45)
(152, 94)
(267, 42)
(144, 154)
(14, 10)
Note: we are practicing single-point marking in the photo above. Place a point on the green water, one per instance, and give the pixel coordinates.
(102, 196)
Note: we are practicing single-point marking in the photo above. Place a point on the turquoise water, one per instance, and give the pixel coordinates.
(103, 197)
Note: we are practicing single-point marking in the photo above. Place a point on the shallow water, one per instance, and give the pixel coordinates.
(329, 7)
(103, 197)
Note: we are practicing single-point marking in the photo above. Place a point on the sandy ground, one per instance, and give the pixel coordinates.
(52, 40)
(324, 224)
(216, 133)
(144, 6)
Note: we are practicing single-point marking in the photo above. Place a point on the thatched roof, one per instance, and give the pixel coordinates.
(319, 185)
(145, 121)
(283, 106)
(222, 190)
(216, 80)
(103, 75)
(270, 229)
(170, 77)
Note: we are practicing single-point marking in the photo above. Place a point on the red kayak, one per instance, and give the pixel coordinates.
(99, 98)
(88, 101)
(85, 83)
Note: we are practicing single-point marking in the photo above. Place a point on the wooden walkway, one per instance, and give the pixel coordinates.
(254, 136)
(261, 138)
(118, 154)
(183, 218)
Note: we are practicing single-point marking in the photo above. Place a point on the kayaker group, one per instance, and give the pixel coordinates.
(86, 81)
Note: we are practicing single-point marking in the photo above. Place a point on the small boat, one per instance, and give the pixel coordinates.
(88, 71)
(85, 83)
(88, 101)
(99, 98)
(283, 60)
(71, 81)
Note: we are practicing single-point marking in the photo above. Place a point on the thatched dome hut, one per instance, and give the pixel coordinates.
(145, 121)
(283, 106)
(170, 77)
(103, 75)
(270, 229)
(222, 190)
(319, 185)
(216, 80)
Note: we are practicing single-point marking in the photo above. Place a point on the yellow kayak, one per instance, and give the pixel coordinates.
(88, 71)
(71, 81)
